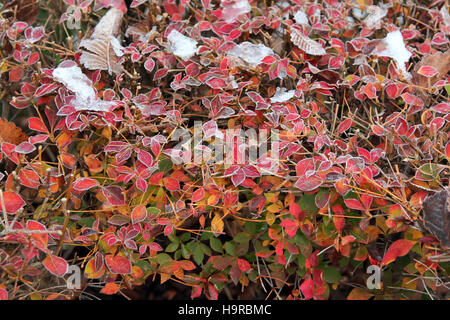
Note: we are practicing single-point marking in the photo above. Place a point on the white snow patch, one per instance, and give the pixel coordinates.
(117, 47)
(301, 18)
(232, 10)
(395, 48)
(181, 46)
(445, 15)
(281, 95)
(251, 53)
(77, 82)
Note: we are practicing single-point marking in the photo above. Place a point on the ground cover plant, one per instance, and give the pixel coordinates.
(130, 169)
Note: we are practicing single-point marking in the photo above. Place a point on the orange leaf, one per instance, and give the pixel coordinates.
(397, 249)
(359, 294)
(138, 214)
(110, 288)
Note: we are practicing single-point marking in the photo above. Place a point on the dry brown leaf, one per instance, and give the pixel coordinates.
(376, 14)
(101, 56)
(27, 10)
(437, 216)
(104, 50)
(306, 44)
(440, 61)
(9, 132)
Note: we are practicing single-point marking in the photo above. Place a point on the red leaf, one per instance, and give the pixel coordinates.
(138, 214)
(198, 194)
(3, 294)
(397, 249)
(25, 148)
(29, 178)
(338, 219)
(45, 89)
(344, 126)
(196, 292)
(15, 74)
(289, 223)
(171, 184)
(33, 58)
(149, 64)
(308, 184)
(56, 265)
(114, 195)
(115, 146)
(118, 264)
(238, 177)
(155, 247)
(212, 292)
(428, 71)
(353, 204)
(37, 124)
(144, 157)
(295, 210)
(243, 265)
(307, 288)
(38, 239)
(13, 202)
(83, 184)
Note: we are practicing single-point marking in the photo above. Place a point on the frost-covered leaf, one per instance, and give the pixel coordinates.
(306, 44)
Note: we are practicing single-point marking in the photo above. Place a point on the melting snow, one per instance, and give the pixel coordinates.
(181, 46)
(395, 48)
(251, 53)
(77, 82)
(281, 95)
(301, 18)
(117, 47)
(232, 10)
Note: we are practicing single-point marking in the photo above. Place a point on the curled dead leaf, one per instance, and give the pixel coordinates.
(440, 61)
(104, 49)
(436, 210)
(306, 44)
(22, 10)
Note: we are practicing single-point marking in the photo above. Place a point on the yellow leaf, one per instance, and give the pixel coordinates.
(274, 208)
(217, 224)
(165, 277)
(409, 283)
(270, 218)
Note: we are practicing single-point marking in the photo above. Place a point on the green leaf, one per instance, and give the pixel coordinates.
(198, 254)
(216, 244)
(331, 275)
(173, 246)
(165, 165)
(241, 237)
(153, 210)
(163, 258)
(185, 252)
(308, 204)
(230, 248)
